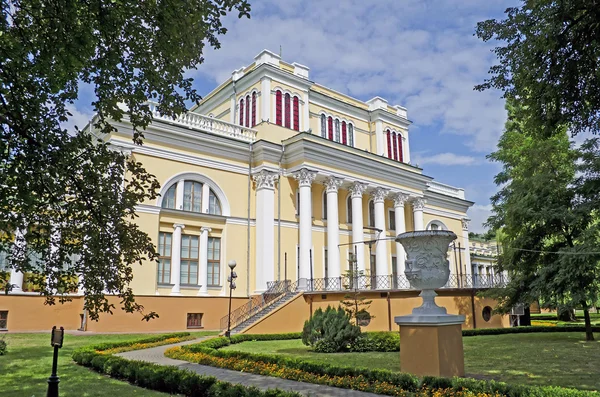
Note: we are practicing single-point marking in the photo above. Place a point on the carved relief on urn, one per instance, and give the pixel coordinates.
(427, 265)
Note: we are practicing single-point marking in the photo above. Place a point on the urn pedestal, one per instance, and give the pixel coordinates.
(430, 339)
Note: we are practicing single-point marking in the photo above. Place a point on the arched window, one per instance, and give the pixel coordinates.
(344, 133)
(287, 111)
(323, 126)
(337, 130)
(371, 213)
(242, 111)
(192, 196)
(247, 111)
(436, 225)
(325, 204)
(214, 206)
(278, 108)
(296, 113)
(330, 128)
(400, 154)
(349, 209)
(388, 135)
(169, 197)
(350, 135)
(395, 141)
(253, 109)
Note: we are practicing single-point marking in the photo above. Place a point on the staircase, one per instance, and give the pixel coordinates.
(277, 294)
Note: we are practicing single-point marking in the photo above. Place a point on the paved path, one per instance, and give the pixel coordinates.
(156, 355)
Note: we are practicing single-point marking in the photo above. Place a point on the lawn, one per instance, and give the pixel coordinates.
(24, 371)
(560, 359)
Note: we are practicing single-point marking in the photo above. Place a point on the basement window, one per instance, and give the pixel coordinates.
(194, 320)
(4, 320)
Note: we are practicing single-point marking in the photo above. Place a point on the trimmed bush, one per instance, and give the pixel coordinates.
(524, 330)
(377, 342)
(3, 347)
(330, 331)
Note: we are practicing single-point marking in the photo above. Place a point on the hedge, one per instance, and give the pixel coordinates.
(355, 378)
(524, 330)
(167, 379)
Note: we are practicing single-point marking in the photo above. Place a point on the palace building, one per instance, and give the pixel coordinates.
(292, 181)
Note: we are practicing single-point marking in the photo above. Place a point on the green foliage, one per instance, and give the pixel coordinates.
(525, 330)
(354, 303)
(3, 347)
(549, 59)
(377, 342)
(67, 188)
(158, 338)
(329, 331)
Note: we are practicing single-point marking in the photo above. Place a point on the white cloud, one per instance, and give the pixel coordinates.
(445, 159)
(479, 214)
(78, 118)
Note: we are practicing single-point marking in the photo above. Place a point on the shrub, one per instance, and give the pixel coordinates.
(3, 347)
(377, 342)
(330, 330)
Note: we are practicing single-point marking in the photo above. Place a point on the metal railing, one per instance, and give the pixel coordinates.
(275, 291)
(200, 122)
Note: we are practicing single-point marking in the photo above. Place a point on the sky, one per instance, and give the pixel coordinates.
(421, 54)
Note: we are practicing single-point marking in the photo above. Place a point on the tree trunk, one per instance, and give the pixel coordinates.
(589, 335)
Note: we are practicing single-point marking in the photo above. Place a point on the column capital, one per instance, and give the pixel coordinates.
(357, 189)
(332, 184)
(265, 179)
(379, 194)
(465, 223)
(400, 199)
(178, 226)
(205, 229)
(305, 177)
(418, 203)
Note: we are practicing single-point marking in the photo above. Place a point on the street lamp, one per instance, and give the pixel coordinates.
(56, 341)
(231, 279)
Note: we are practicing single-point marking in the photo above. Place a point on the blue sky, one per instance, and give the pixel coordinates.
(420, 54)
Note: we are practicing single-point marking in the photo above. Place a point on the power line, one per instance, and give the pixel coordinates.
(555, 252)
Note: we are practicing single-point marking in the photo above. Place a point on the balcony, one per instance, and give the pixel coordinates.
(446, 190)
(198, 122)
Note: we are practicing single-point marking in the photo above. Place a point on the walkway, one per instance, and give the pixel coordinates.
(156, 355)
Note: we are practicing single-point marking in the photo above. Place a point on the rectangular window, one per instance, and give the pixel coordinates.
(189, 260)
(214, 262)
(3, 262)
(392, 219)
(164, 258)
(4, 320)
(192, 196)
(194, 320)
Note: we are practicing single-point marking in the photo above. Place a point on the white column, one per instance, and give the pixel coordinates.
(176, 259)
(203, 261)
(265, 98)
(265, 229)
(406, 147)
(332, 185)
(305, 179)
(399, 200)
(465, 235)
(16, 277)
(418, 206)
(179, 192)
(379, 140)
(306, 112)
(381, 254)
(80, 289)
(205, 198)
(358, 235)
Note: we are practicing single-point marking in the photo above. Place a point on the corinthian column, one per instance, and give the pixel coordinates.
(399, 200)
(305, 179)
(356, 192)
(332, 185)
(418, 206)
(265, 224)
(381, 263)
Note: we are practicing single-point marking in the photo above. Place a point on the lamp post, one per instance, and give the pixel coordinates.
(231, 279)
(56, 341)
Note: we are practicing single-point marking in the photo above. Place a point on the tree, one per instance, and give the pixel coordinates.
(67, 199)
(330, 331)
(545, 209)
(549, 59)
(354, 303)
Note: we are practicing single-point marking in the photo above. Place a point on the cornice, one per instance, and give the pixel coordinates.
(387, 117)
(320, 99)
(451, 203)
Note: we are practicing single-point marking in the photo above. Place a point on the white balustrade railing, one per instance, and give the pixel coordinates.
(446, 190)
(200, 122)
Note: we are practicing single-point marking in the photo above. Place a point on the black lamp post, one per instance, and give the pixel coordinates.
(56, 341)
(231, 279)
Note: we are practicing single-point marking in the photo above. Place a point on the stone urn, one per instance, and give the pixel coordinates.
(427, 265)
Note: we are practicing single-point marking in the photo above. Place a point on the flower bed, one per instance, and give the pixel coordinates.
(376, 381)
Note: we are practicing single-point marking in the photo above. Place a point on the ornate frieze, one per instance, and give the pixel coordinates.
(332, 184)
(379, 194)
(418, 203)
(357, 189)
(465, 223)
(265, 179)
(400, 199)
(305, 177)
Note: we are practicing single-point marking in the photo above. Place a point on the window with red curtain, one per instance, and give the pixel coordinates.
(400, 154)
(247, 111)
(242, 111)
(278, 109)
(296, 113)
(344, 135)
(389, 144)
(287, 111)
(395, 145)
(330, 128)
(253, 109)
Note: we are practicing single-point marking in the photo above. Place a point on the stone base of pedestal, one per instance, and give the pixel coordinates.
(431, 345)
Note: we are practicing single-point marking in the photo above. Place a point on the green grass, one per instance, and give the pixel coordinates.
(559, 359)
(24, 371)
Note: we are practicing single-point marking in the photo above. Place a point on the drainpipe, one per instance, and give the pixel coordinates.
(279, 214)
(248, 224)
(370, 136)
